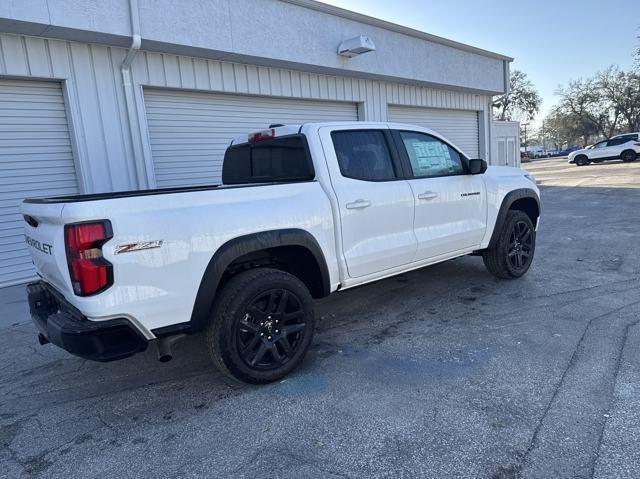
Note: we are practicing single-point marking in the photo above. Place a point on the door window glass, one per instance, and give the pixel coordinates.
(363, 155)
(431, 157)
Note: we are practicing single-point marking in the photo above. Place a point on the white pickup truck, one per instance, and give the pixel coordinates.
(303, 211)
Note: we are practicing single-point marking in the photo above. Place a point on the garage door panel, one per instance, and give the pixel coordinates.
(20, 271)
(36, 160)
(7, 245)
(52, 120)
(16, 195)
(14, 169)
(458, 126)
(190, 131)
(14, 257)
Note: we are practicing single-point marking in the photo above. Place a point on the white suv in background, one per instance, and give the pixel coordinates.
(624, 147)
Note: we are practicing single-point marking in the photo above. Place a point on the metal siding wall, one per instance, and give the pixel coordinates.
(94, 102)
(179, 72)
(102, 143)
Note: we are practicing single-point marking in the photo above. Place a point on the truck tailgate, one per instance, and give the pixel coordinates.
(44, 235)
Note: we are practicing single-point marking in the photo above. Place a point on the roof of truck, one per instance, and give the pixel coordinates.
(274, 131)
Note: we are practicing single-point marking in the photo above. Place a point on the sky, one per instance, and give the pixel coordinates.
(552, 41)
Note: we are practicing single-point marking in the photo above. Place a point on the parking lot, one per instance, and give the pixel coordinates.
(441, 372)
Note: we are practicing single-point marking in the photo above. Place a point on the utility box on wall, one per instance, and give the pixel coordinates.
(505, 143)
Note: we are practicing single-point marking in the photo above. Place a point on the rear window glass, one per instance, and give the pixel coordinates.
(626, 138)
(280, 159)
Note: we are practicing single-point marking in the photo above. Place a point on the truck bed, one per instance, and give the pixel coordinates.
(119, 194)
(158, 191)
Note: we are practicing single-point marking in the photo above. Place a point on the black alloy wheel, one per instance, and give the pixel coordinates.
(520, 248)
(261, 326)
(271, 330)
(512, 253)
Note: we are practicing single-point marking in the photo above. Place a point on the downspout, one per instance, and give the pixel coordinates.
(129, 95)
(489, 147)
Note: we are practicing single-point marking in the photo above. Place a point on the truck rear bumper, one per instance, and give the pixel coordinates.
(61, 324)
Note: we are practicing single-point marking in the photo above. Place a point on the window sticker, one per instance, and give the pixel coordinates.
(429, 157)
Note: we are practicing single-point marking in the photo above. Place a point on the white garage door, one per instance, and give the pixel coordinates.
(35, 160)
(189, 131)
(458, 126)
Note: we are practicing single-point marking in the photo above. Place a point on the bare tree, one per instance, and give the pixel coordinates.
(584, 100)
(601, 106)
(522, 102)
(564, 128)
(621, 92)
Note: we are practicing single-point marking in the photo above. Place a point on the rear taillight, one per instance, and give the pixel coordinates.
(90, 272)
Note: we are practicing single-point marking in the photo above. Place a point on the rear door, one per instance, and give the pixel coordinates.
(375, 203)
(616, 146)
(451, 205)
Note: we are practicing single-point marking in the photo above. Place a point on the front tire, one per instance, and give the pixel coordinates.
(581, 160)
(512, 254)
(262, 325)
(628, 156)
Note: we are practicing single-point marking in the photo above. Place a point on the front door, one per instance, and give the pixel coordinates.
(451, 205)
(601, 150)
(375, 205)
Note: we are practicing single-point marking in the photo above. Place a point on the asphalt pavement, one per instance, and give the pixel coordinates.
(442, 372)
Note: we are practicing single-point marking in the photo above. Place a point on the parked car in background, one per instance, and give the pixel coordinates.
(303, 211)
(620, 147)
(526, 156)
(566, 151)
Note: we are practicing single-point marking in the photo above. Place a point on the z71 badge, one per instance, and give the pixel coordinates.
(143, 245)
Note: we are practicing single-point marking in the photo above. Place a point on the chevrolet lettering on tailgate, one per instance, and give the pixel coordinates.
(43, 247)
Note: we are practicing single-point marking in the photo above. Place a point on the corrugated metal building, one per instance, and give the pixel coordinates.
(125, 94)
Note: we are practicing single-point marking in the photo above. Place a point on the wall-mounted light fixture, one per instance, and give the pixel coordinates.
(356, 46)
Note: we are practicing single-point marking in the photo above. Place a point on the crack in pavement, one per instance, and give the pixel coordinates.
(616, 372)
(534, 443)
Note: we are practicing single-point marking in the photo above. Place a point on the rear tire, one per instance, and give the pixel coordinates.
(628, 156)
(261, 326)
(582, 160)
(512, 254)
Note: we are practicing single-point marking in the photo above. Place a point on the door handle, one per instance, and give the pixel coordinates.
(358, 205)
(427, 195)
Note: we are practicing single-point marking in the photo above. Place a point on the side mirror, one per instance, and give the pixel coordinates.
(477, 166)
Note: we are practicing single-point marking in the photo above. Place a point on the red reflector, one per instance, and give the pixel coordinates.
(90, 272)
(262, 135)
